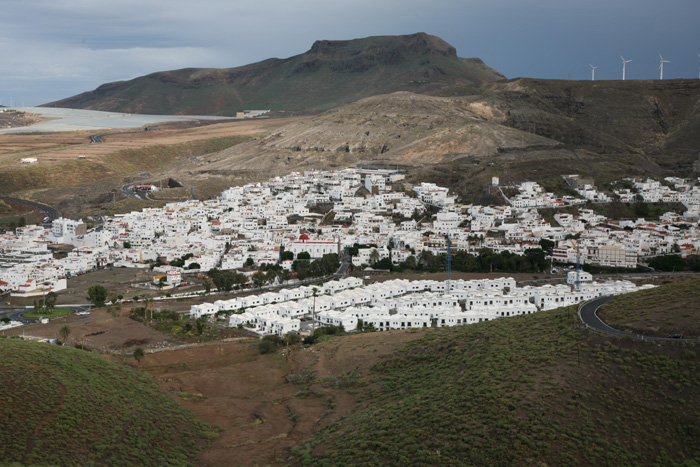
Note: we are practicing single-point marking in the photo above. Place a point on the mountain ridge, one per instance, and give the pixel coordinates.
(331, 73)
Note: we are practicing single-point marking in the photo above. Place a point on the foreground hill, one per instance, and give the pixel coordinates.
(329, 74)
(529, 390)
(62, 406)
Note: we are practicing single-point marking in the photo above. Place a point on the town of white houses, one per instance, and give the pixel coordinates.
(308, 244)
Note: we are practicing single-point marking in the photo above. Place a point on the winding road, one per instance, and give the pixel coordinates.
(48, 211)
(588, 313)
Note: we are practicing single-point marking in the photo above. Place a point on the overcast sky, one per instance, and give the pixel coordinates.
(51, 49)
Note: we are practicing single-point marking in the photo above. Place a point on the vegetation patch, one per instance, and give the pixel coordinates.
(53, 313)
(63, 406)
(666, 310)
(530, 390)
(182, 327)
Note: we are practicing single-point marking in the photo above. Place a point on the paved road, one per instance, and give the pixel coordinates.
(15, 313)
(588, 313)
(133, 194)
(345, 259)
(98, 138)
(48, 211)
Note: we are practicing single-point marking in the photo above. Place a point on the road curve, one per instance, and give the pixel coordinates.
(16, 313)
(588, 314)
(48, 211)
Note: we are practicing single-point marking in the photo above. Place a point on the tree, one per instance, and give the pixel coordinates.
(258, 279)
(138, 354)
(194, 266)
(285, 276)
(374, 256)
(547, 245)
(206, 282)
(286, 255)
(97, 295)
(50, 300)
(303, 255)
(64, 332)
(239, 279)
(127, 245)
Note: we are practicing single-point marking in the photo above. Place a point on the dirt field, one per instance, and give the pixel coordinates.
(247, 395)
(52, 148)
(100, 330)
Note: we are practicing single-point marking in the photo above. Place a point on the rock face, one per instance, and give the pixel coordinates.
(329, 74)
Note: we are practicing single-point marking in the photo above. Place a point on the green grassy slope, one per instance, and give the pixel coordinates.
(329, 74)
(63, 406)
(530, 390)
(668, 309)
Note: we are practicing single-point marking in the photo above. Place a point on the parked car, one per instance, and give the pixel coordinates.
(678, 335)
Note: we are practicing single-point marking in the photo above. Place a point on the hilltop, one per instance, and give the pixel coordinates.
(331, 73)
(63, 406)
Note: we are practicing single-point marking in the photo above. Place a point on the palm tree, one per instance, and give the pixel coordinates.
(64, 332)
(374, 256)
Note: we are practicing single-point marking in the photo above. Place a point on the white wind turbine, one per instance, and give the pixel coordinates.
(624, 62)
(593, 71)
(661, 67)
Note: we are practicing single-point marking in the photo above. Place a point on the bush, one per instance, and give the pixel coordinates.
(270, 344)
(265, 347)
(292, 338)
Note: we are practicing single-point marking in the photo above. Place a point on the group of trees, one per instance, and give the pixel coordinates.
(324, 266)
(485, 261)
(671, 263)
(270, 344)
(46, 303)
(226, 280)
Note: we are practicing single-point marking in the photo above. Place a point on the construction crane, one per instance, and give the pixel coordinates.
(449, 263)
(578, 263)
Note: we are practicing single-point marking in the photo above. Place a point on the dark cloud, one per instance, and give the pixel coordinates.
(53, 49)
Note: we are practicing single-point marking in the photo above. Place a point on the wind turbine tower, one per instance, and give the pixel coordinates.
(661, 67)
(624, 63)
(592, 71)
(698, 71)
